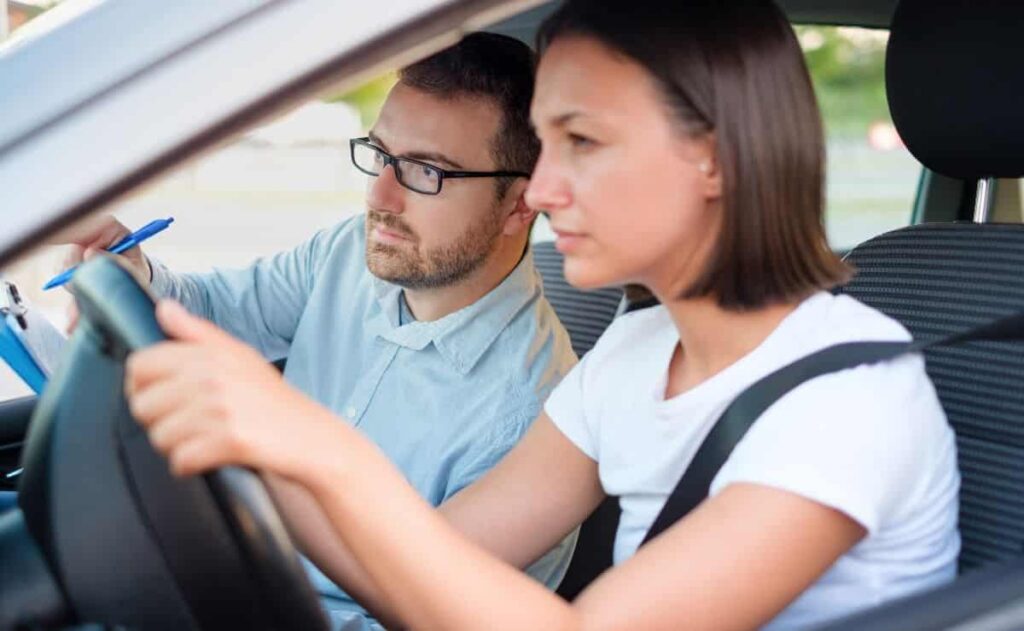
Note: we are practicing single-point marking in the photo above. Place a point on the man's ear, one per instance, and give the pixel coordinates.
(520, 216)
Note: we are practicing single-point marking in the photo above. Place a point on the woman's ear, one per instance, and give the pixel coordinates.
(708, 166)
(520, 216)
(712, 178)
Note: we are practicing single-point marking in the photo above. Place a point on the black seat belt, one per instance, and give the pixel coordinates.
(750, 404)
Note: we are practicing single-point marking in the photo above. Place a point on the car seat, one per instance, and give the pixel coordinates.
(956, 92)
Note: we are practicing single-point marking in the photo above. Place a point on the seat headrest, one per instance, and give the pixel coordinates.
(955, 78)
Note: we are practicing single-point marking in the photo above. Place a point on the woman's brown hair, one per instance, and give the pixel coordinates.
(734, 69)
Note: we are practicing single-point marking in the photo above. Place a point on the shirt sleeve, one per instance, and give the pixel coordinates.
(565, 407)
(260, 304)
(550, 568)
(508, 431)
(866, 441)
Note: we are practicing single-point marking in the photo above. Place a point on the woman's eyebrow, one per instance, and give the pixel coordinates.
(430, 156)
(561, 120)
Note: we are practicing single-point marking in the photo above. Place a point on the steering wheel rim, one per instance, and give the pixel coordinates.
(217, 551)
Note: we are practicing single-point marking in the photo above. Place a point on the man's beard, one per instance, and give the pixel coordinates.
(440, 267)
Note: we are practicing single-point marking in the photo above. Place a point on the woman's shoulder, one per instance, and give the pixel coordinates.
(835, 319)
(870, 407)
(633, 334)
(880, 389)
(870, 441)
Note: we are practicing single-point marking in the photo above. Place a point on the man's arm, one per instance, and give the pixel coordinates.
(260, 304)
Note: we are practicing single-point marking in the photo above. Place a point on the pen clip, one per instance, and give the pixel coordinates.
(14, 306)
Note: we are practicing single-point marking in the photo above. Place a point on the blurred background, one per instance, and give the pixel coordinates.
(276, 185)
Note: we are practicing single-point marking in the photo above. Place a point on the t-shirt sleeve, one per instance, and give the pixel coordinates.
(565, 407)
(863, 441)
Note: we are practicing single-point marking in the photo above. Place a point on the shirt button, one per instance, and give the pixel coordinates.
(350, 412)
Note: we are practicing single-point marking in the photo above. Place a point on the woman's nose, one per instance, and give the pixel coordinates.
(549, 188)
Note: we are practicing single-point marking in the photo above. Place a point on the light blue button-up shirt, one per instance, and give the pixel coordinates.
(445, 400)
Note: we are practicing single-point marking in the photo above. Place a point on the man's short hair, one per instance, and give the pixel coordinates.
(494, 67)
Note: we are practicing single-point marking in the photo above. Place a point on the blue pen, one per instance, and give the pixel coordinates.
(127, 243)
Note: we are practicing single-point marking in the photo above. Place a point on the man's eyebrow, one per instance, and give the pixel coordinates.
(375, 139)
(433, 156)
(427, 156)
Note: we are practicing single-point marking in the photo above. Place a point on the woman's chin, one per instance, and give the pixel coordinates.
(585, 275)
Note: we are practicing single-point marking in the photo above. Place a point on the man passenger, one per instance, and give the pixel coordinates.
(423, 320)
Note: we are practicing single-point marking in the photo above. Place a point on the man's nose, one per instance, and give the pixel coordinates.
(384, 193)
(549, 188)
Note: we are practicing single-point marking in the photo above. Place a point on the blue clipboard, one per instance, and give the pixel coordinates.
(18, 358)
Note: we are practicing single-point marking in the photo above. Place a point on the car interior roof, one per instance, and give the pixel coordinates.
(866, 13)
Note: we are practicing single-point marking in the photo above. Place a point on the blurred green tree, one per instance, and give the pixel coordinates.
(368, 98)
(847, 67)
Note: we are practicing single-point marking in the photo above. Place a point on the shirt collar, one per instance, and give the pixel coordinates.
(461, 337)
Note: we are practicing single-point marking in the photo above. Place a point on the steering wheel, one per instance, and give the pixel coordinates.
(125, 542)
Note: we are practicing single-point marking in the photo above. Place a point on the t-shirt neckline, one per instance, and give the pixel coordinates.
(713, 388)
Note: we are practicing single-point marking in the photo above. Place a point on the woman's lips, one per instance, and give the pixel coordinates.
(567, 242)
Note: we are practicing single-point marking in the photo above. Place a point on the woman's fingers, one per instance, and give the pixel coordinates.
(205, 398)
(163, 361)
(168, 433)
(205, 452)
(193, 441)
(162, 398)
(182, 325)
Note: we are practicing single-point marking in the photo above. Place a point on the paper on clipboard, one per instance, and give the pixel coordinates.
(41, 339)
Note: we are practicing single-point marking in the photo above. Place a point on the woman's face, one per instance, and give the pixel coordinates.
(631, 198)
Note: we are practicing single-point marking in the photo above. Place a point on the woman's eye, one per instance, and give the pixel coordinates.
(580, 142)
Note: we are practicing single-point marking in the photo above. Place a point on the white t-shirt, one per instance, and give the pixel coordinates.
(870, 441)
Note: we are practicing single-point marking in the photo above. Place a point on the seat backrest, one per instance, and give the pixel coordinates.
(955, 97)
(936, 279)
(584, 314)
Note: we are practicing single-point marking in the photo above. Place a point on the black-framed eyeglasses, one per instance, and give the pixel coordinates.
(414, 175)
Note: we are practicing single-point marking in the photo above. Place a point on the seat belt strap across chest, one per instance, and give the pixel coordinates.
(749, 405)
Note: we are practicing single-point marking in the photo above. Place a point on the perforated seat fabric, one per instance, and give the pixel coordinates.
(936, 279)
(584, 314)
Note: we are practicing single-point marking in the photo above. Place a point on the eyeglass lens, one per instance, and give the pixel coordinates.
(421, 178)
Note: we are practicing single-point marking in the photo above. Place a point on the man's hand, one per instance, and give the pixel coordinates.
(91, 238)
(95, 236)
(208, 400)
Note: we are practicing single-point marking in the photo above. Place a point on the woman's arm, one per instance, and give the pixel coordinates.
(531, 500)
(517, 511)
(732, 564)
(315, 536)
